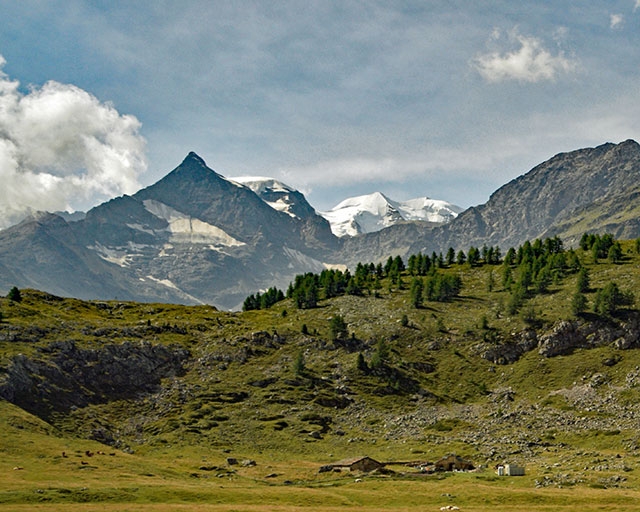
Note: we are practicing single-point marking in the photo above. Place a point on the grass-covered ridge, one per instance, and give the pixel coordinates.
(541, 384)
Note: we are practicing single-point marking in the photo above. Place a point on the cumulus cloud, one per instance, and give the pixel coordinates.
(637, 5)
(616, 21)
(62, 149)
(529, 62)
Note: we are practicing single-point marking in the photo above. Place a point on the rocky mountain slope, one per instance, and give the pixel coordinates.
(192, 237)
(590, 189)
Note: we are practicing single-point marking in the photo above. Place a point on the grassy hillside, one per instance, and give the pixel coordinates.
(251, 386)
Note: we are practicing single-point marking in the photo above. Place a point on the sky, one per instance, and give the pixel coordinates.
(445, 99)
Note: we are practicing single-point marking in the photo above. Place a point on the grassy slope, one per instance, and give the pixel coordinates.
(574, 446)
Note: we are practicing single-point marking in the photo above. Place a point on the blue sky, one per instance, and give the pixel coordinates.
(446, 99)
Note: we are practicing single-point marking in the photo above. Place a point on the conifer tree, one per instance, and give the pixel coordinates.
(14, 295)
(416, 291)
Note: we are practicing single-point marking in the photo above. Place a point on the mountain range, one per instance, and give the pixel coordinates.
(198, 237)
(373, 212)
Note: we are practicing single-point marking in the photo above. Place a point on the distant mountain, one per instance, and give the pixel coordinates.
(373, 212)
(279, 196)
(592, 189)
(194, 236)
(555, 193)
(198, 237)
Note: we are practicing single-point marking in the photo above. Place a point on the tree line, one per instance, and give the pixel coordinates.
(525, 271)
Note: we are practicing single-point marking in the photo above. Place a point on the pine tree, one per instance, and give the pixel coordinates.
(299, 366)
(582, 283)
(614, 255)
(507, 277)
(338, 328)
(578, 303)
(361, 364)
(473, 256)
(14, 295)
(380, 355)
(417, 288)
(451, 256)
(490, 281)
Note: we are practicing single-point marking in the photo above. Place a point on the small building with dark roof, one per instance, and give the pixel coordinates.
(363, 464)
(453, 463)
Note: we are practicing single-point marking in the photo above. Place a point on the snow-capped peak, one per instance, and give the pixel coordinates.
(276, 194)
(261, 184)
(373, 212)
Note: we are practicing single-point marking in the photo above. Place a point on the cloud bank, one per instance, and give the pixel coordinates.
(62, 149)
(530, 62)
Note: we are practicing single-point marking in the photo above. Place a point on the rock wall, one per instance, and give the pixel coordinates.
(63, 376)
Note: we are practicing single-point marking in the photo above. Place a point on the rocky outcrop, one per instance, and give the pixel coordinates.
(567, 336)
(510, 351)
(563, 338)
(64, 376)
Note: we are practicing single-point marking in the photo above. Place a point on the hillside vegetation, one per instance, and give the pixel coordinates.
(117, 402)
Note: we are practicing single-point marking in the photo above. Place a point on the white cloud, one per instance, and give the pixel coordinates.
(530, 62)
(637, 5)
(616, 21)
(61, 148)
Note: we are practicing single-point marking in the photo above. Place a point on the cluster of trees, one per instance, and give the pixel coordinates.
(307, 289)
(421, 264)
(608, 300)
(438, 287)
(602, 246)
(263, 301)
(533, 267)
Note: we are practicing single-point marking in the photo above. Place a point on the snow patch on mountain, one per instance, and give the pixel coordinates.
(269, 189)
(184, 228)
(170, 284)
(373, 212)
(261, 184)
(122, 256)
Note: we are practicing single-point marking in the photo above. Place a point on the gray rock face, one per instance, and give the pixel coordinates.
(67, 376)
(193, 237)
(529, 206)
(563, 338)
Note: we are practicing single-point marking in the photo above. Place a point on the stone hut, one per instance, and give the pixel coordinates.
(363, 464)
(453, 463)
